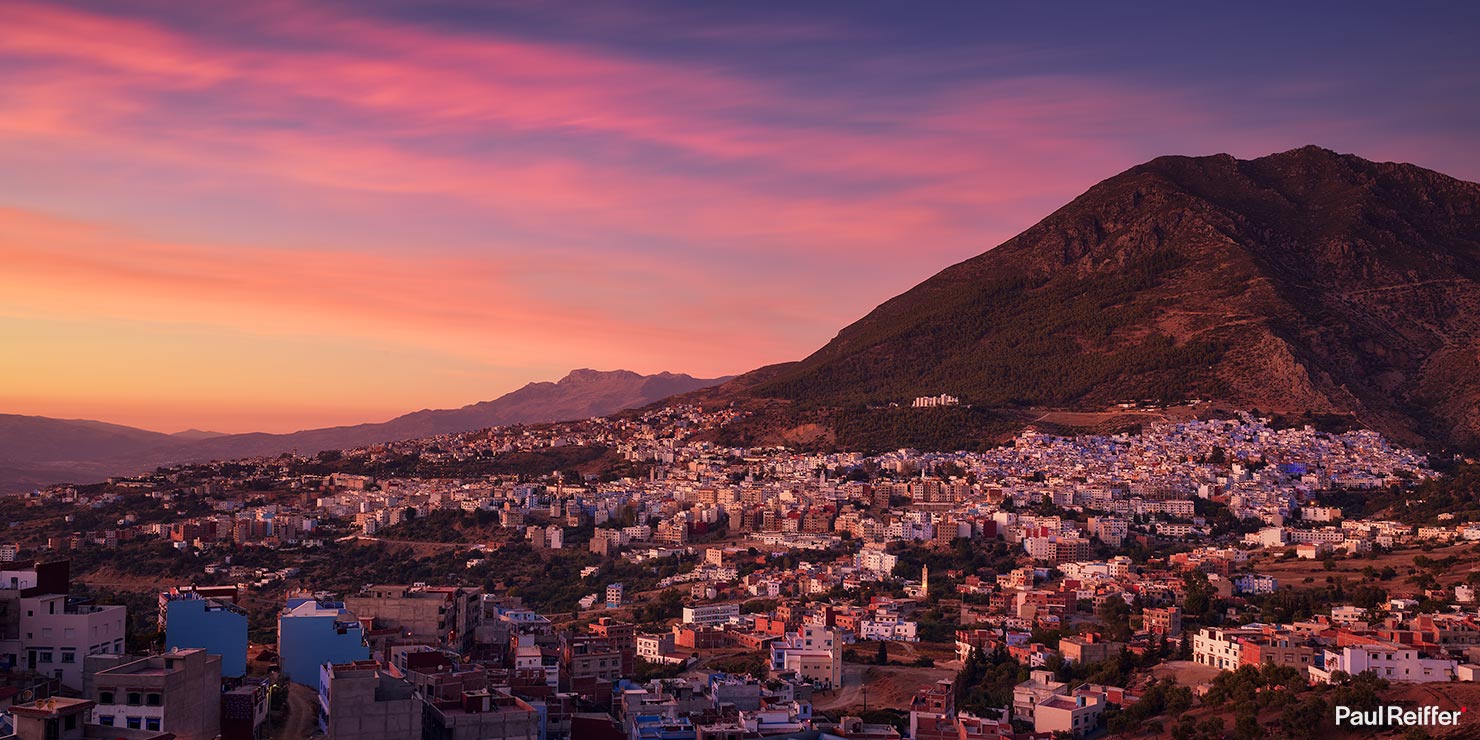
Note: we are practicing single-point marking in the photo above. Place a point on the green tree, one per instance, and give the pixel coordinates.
(1246, 725)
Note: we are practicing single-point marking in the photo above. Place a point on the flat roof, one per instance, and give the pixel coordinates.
(52, 707)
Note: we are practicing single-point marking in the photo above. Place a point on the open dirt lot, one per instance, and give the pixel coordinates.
(1293, 572)
(1185, 672)
(885, 686)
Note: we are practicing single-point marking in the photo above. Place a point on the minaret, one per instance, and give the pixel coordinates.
(924, 581)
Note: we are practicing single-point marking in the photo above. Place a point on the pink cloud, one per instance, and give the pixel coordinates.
(357, 101)
(652, 215)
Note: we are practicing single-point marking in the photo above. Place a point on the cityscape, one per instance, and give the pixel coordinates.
(977, 371)
(702, 590)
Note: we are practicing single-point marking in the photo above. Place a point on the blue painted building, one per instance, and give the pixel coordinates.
(661, 727)
(220, 628)
(313, 632)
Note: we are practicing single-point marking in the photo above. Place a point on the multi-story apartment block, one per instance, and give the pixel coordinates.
(1222, 647)
(1165, 621)
(1075, 714)
(56, 633)
(1039, 688)
(1088, 648)
(1109, 530)
(1229, 648)
(312, 633)
(464, 705)
(178, 692)
(813, 653)
(711, 613)
(244, 711)
(220, 628)
(1254, 583)
(587, 657)
(444, 615)
(1392, 661)
(362, 701)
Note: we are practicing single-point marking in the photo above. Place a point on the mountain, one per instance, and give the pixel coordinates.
(580, 395)
(36, 450)
(38, 438)
(1307, 283)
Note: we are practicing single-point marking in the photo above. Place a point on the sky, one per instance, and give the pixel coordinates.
(282, 215)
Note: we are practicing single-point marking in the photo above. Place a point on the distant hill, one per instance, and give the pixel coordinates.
(33, 439)
(37, 450)
(1307, 283)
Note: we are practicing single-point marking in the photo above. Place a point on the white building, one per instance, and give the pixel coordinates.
(1221, 648)
(925, 402)
(1392, 661)
(875, 560)
(55, 636)
(1253, 583)
(813, 653)
(888, 627)
(711, 614)
(653, 648)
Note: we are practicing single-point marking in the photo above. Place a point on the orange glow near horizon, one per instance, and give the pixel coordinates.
(242, 218)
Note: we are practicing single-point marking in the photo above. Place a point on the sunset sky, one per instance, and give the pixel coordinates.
(278, 215)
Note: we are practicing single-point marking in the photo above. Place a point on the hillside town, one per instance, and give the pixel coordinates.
(634, 577)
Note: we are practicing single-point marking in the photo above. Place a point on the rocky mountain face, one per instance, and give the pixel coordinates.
(1307, 283)
(36, 450)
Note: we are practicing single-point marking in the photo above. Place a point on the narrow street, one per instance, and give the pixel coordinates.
(301, 721)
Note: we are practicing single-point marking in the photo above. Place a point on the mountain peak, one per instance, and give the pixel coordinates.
(1307, 282)
(587, 375)
(1309, 151)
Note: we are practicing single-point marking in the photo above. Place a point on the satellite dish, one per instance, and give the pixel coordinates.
(27, 695)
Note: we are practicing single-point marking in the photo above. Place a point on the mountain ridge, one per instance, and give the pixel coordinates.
(1305, 283)
(36, 450)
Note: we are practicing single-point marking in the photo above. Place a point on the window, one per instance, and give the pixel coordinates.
(44, 657)
(134, 699)
(105, 696)
(152, 723)
(69, 656)
(105, 720)
(152, 700)
(133, 723)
